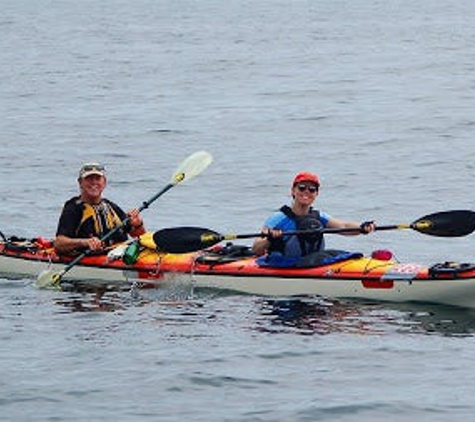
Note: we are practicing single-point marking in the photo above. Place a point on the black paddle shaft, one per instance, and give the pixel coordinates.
(188, 239)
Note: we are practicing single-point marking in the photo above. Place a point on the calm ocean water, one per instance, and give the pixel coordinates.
(377, 97)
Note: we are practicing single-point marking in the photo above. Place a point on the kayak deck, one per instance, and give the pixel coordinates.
(361, 278)
(364, 278)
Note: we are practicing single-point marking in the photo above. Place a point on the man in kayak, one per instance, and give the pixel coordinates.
(301, 216)
(87, 218)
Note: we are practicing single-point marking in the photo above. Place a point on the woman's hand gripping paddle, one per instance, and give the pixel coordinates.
(189, 168)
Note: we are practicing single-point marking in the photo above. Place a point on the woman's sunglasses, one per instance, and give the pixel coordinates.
(311, 188)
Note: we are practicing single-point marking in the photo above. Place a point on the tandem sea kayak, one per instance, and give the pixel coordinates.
(233, 268)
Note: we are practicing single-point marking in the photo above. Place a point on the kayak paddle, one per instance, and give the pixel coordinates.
(189, 168)
(190, 239)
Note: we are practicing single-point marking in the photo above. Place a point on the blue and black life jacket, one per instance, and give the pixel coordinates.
(304, 244)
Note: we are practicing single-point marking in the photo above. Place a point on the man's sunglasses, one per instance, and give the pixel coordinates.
(93, 167)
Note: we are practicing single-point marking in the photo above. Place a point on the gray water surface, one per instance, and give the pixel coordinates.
(376, 97)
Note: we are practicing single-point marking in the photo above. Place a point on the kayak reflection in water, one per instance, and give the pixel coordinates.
(318, 315)
(87, 218)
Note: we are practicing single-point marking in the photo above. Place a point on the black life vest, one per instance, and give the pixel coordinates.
(98, 220)
(300, 245)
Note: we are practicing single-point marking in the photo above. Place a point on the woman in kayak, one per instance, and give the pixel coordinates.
(301, 216)
(87, 218)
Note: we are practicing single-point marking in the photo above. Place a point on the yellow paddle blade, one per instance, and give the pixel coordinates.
(48, 279)
(192, 166)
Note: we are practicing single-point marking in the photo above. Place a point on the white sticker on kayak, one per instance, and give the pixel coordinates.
(402, 272)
